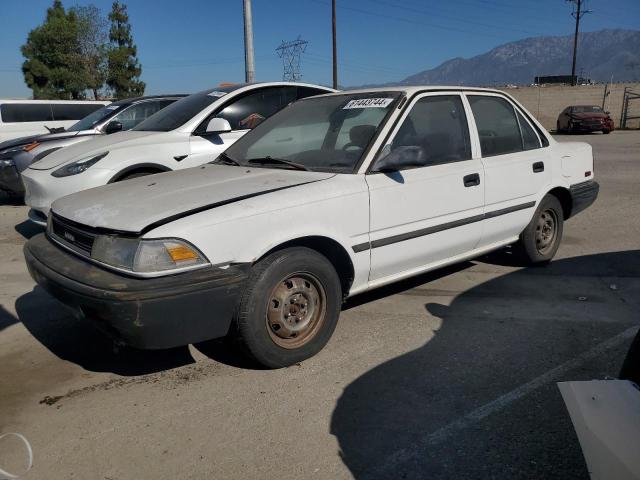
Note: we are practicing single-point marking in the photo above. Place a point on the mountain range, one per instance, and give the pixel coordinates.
(601, 54)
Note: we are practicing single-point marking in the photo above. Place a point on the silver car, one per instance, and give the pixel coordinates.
(16, 155)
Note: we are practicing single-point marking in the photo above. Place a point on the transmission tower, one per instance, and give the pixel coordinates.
(291, 53)
(578, 13)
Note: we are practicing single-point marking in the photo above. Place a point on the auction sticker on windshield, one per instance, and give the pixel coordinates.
(368, 103)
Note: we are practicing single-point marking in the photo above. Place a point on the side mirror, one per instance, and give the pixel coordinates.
(607, 112)
(218, 125)
(113, 127)
(399, 159)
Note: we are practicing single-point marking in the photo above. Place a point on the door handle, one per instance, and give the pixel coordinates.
(538, 167)
(471, 180)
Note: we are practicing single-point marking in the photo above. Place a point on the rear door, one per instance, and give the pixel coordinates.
(424, 215)
(516, 163)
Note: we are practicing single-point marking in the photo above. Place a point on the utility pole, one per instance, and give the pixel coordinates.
(577, 14)
(335, 47)
(249, 66)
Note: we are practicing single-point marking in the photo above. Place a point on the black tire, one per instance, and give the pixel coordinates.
(606, 132)
(295, 282)
(631, 366)
(139, 173)
(539, 242)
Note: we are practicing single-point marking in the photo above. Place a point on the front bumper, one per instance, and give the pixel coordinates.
(592, 127)
(10, 180)
(583, 195)
(150, 313)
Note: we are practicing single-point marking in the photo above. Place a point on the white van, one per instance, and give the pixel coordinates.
(20, 118)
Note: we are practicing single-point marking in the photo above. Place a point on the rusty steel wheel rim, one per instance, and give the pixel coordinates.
(546, 231)
(296, 310)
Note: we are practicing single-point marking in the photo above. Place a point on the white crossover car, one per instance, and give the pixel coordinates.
(191, 131)
(17, 155)
(332, 196)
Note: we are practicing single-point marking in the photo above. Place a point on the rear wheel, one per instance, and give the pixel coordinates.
(606, 132)
(136, 174)
(540, 241)
(289, 308)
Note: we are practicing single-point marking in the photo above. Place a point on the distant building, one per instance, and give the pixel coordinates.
(561, 80)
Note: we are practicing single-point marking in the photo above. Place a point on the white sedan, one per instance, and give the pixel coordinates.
(192, 131)
(332, 196)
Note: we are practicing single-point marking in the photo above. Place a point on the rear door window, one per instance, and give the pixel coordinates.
(497, 124)
(26, 112)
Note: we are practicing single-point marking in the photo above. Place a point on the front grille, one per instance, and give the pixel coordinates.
(74, 235)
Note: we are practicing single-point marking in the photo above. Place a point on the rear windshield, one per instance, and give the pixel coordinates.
(180, 112)
(586, 109)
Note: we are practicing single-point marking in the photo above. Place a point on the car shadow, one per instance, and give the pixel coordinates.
(79, 342)
(451, 408)
(12, 200)
(6, 318)
(28, 229)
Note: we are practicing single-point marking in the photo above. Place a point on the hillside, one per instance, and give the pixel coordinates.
(600, 55)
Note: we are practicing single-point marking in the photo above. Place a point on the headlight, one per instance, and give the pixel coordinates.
(7, 163)
(146, 256)
(78, 166)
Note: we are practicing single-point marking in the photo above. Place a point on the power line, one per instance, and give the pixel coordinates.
(291, 53)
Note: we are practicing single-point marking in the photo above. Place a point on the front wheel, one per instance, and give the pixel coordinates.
(289, 308)
(540, 241)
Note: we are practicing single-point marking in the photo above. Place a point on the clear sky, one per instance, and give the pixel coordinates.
(190, 45)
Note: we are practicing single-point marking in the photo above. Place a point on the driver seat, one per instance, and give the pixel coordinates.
(360, 136)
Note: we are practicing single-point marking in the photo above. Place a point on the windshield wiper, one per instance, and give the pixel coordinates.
(277, 161)
(225, 159)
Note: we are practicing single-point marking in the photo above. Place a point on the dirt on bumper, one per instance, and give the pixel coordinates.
(151, 313)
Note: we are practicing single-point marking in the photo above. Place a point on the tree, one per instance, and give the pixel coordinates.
(124, 67)
(92, 44)
(51, 68)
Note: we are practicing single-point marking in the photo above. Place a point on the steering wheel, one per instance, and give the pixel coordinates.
(350, 145)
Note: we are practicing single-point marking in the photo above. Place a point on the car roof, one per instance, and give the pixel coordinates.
(249, 86)
(129, 101)
(412, 89)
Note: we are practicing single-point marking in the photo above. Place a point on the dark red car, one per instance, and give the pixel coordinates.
(584, 118)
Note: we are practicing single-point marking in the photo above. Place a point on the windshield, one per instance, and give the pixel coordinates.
(586, 109)
(91, 120)
(180, 112)
(328, 134)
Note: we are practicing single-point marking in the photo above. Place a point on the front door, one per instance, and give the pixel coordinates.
(426, 214)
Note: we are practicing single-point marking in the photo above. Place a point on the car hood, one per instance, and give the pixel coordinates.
(139, 204)
(94, 147)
